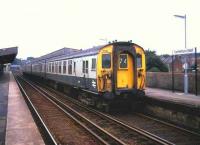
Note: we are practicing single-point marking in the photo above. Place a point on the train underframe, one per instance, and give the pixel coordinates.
(125, 100)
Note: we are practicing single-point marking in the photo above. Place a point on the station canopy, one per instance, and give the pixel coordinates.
(7, 55)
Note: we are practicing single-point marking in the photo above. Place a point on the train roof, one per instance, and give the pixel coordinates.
(82, 52)
(67, 53)
(60, 52)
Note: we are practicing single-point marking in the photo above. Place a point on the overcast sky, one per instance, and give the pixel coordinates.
(38, 27)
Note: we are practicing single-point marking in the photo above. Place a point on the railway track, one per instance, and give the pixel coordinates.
(172, 133)
(168, 133)
(121, 131)
(62, 125)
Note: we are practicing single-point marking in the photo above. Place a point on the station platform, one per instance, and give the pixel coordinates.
(189, 100)
(17, 126)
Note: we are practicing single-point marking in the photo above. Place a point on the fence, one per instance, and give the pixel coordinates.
(163, 80)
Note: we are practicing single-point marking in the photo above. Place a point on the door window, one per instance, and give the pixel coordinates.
(139, 61)
(85, 66)
(123, 61)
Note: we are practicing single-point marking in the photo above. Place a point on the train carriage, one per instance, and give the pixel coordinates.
(109, 71)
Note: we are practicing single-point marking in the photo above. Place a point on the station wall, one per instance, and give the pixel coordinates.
(163, 80)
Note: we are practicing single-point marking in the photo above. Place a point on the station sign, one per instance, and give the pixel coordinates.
(184, 51)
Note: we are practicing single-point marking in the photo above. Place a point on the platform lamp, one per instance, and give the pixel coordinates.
(185, 69)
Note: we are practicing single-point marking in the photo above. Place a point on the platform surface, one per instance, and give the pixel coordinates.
(21, 128)
(4, 86)
(176, 97)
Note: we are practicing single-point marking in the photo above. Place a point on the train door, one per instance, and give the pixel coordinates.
(125, 71)
(85, 73)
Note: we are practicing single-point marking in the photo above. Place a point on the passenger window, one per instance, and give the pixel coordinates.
(74, 67)
(123, 61)
(48, 68)
(93, 63)
(56, 68)
(106, 60)
(70, 67)
(60, 64)
(139, 61)
(64, 67)
(85, 67)
(53, 67)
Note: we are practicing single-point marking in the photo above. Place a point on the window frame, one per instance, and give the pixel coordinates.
(120, 63)
(94, 63)
(83, 66)
(103, 63)
(60, 67)
(70, 67)
(53, 67)
(74, 67)
(140, 59)
(86, 66)
(64, 66)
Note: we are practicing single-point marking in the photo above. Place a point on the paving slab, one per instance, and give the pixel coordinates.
(4, 87)
(176, 97)
(21, 128)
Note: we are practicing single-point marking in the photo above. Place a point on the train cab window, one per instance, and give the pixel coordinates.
(139, 61)
(60, 64)
(106, 60)
(64, 67)
(123, 61)
(93, 64)
(69, 66)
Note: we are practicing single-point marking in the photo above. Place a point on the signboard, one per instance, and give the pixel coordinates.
(184, 51)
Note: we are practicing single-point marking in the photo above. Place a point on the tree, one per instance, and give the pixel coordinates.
(154, 62)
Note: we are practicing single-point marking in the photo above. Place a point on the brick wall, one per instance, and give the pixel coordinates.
(163, 80)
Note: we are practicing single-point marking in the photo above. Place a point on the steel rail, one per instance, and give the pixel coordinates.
(169, 124)
(139, 114)
(56, 102)
(49, 139)
(138, 130)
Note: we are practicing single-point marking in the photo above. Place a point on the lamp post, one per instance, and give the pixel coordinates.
(185, 65)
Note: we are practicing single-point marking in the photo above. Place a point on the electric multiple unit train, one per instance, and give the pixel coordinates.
(108, 72)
